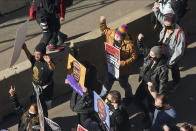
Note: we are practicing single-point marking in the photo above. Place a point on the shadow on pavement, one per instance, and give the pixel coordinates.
(66, 123)
(184, 100)
(18, 13)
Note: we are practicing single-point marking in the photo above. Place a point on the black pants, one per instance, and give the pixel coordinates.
(50, 27)
(142, 94)
(83, 117)
(175, 73)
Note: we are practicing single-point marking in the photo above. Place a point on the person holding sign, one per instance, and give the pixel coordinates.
(121, 40)
(82, 97)
(42, 67)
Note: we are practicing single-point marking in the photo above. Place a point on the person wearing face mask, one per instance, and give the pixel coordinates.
(120, 39)
(28, 119)
(164, 114)
(119, 118)
(173, 41)
(154, 70)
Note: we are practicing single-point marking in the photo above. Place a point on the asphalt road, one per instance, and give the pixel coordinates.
(82, 17)
(184, 99)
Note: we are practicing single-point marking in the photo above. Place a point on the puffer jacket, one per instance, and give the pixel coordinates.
(159, 74)
(127, 51)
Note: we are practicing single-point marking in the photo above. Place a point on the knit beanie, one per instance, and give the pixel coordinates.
(41, 48)
(121, 31)
(157, 50)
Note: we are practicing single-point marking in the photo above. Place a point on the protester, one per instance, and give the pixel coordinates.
(49, 22)
(42, 67)
(83, 105)
(154, 71)
(119, 118)
(120, 39)
(173, 41)
(28, 119)
(164, 114)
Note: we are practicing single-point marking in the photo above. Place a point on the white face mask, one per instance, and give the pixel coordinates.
(117, 38)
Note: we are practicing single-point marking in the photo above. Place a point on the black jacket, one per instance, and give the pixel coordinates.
(82, 104)
(119, 119)
(158, 75)
(47, 8)
(23, 115)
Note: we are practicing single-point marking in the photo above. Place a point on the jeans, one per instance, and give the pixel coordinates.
(123, 81)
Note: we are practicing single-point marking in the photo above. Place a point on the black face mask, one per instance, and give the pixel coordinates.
(109, 103)
(159, 108)
(117, 44)
(153, 58)
(169, 27)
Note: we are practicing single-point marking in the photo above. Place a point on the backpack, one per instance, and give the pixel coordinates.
(186, 36)
(32, 11)
(179, 7)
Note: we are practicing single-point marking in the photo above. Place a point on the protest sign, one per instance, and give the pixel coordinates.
(80, 128)
(75, 74)
(20, 40)
(102, 109)
(113, 60)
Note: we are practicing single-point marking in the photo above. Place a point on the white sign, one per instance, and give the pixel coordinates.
(20, 39)
(113, 60)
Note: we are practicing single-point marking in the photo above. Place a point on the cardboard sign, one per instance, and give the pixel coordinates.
(102, 109)
(80, 128)
(20, 40)
(75, 74)
(113, 60)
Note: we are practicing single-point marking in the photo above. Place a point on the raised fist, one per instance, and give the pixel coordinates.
(102, 19)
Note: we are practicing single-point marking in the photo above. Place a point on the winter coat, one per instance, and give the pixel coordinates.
(81, 104)
(127, 51)
(174, 49)
(119, 119)
(158, 75)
